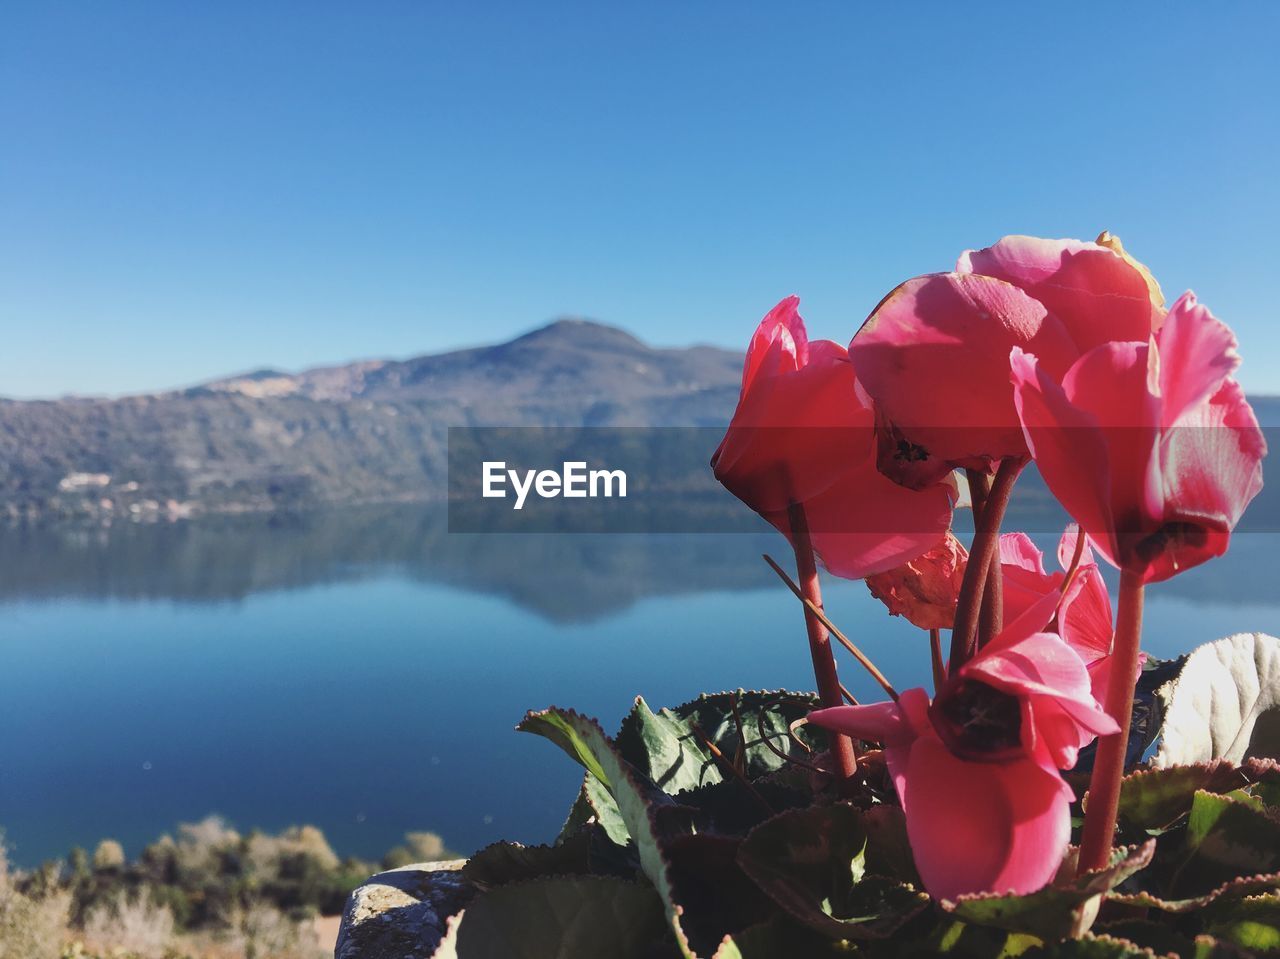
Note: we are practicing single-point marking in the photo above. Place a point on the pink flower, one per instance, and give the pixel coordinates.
(973, 826)
(976, 770)
(924, 589)
(934, 354)
(1059, 713)
(803, 433)
(1149, 445)
(1084, 619)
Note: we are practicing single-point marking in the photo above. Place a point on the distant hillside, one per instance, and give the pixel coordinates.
(365, 432)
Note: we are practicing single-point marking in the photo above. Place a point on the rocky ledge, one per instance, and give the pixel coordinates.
(402, 913)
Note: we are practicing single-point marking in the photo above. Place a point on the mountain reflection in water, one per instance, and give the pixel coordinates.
(563, 578)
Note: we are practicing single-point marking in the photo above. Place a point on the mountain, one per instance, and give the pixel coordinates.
(365, 432)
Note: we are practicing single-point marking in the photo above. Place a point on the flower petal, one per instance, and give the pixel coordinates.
(934, 356)
(875, 722)
(983, 827)
(1016, 549)
(1070, 450)
(1197, 353)
(1211, 461)
(779, 345)
(926, 587)
(1095, 292)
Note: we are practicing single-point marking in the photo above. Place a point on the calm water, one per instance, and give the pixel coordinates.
(363, 671)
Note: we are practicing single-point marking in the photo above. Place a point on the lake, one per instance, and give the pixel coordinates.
(363, 670)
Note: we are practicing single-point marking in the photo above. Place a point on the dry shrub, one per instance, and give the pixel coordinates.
(135, 925)
(30, 928)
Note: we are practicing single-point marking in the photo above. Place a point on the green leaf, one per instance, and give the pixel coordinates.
(563, 727)
(1227, 838)
(1228, 891)
(812, 862)
(670, 746)
(604, 809)
(1154, 799)
(1265, 776)
(586, 742)
(1059, 909)
(1223, 703)
(1091, 947)
(563, 918)
(1207, 947)
(1252, 924)
(1159, 937)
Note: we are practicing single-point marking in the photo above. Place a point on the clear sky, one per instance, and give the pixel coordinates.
(188, 190)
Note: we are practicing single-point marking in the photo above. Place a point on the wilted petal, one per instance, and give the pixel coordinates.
(924, 589)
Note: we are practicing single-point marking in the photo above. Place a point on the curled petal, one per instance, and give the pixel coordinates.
(1096, 293)
(780, 344)
(1016, 549)
(1197, 354)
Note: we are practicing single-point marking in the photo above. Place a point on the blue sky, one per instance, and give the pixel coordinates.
(190, 190)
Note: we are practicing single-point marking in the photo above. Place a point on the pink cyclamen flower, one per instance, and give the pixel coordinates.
(934, 354)
(985, 753)
(804, 433)
(924, 589)
(973, 826)
(1084, 619)
(1150, 445)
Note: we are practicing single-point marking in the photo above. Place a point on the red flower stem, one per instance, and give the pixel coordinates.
(824, 662)
(979, 484)
(935, 654)
(983, 551)
(1108, 764)
(991, 616)
(834, 630)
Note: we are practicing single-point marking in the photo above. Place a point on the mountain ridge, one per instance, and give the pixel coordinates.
(370, 431)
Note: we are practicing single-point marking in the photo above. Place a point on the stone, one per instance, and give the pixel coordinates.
(402, 913)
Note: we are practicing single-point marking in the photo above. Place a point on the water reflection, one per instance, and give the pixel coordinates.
(561, 578)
